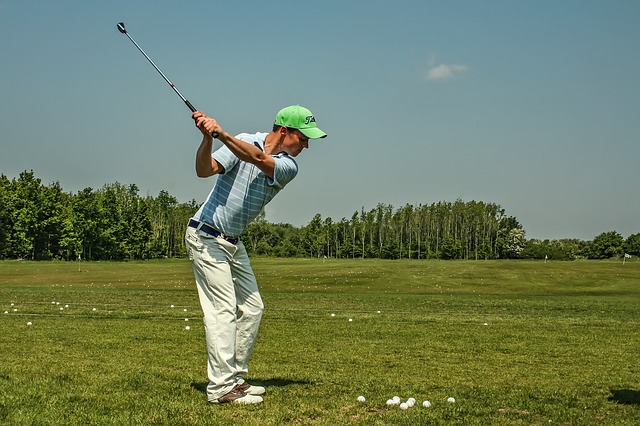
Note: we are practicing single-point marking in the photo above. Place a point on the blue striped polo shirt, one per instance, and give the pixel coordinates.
(243, 189)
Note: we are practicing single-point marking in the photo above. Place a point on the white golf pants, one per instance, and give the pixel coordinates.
(231, 304)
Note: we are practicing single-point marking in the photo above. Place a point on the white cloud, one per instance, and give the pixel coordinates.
(445, 71)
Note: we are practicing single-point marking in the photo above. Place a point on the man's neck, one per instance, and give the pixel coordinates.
(271, 144)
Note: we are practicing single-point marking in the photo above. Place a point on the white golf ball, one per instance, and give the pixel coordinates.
(333, 315)
(361, 398)
(396, 399)
(172, 306)
(186, 319)
(426, 404)
(185, 309)
(29, 323)
(404, 406)
(94, 309)
(350, 319)
(451, 399)
(187, 328)
(411, 402)
(390, 402)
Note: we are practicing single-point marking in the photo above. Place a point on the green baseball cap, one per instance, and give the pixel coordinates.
(299, 117)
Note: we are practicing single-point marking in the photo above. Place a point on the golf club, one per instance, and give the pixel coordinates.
(124, 31)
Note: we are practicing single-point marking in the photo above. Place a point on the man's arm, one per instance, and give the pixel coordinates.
(206, 165)
(244, 151)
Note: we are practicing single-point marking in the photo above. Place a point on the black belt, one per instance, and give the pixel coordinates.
(210, 230)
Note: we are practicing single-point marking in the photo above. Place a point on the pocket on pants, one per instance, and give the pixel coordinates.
(191, 243)
(202, 247)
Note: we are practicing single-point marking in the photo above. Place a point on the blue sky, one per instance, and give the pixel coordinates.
(533, 105)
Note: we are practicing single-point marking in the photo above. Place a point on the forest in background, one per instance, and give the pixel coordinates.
(42, 222)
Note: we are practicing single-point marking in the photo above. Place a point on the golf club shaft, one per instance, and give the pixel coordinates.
(123, 30)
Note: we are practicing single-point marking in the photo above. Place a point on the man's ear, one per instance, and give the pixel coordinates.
(283, 131)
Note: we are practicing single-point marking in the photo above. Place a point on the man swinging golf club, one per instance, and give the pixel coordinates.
(252, 169)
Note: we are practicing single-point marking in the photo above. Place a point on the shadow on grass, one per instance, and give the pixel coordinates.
(202, 386)
(625, 396)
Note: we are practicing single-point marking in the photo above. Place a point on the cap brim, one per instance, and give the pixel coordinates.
(313, 133)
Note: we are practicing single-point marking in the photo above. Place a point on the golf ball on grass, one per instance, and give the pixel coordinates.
(29, 323)
(451, 399)
(411, 402)
(187, 328)
(426, 404)
(404, 406)
(361, 398)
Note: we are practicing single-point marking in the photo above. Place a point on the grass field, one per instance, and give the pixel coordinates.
(515, 342)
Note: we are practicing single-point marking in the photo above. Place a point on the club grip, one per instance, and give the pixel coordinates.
(191, 107)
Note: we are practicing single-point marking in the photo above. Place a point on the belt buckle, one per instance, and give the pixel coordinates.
(227, 238)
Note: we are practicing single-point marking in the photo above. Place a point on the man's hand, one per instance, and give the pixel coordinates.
(206, 165)
(207, 125)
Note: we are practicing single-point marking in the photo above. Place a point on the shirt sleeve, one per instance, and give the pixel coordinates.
(225, 157)
(285, 170)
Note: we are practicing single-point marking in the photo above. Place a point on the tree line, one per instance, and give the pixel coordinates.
(114, 222)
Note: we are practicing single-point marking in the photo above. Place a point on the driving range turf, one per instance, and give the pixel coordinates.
(514, 342)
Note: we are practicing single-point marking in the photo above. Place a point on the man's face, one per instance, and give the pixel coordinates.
(294, 142)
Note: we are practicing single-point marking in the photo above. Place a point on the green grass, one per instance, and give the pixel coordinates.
(515, 342)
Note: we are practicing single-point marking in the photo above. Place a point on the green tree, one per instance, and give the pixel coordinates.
(24, 205)
(314, 237)
(70, 242)
(509, 242)
(86, 221)
(607, 245)
(5, 216)
(51, 217)
(256, 231)
(135, 221)
(112, 225)
(450, 248)
(632, 244)
(515, 242)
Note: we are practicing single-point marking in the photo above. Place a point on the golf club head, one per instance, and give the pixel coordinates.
(121, 28)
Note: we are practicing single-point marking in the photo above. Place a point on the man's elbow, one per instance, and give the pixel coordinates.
(204, 173)
(207, 170)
